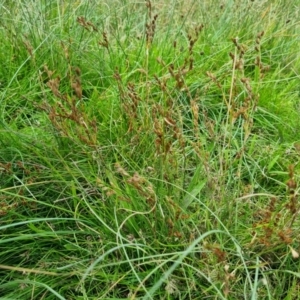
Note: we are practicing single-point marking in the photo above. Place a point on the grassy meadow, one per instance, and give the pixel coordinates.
(149, 149)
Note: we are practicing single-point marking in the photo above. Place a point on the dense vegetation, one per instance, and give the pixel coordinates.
(149, 150)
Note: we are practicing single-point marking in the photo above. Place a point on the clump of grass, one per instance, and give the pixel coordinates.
(148, 155)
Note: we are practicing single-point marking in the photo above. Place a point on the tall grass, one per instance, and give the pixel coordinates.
(149, 150)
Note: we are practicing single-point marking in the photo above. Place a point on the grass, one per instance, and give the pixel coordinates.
(149, 150)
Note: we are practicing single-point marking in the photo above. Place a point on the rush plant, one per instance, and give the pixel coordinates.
(149, 150)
